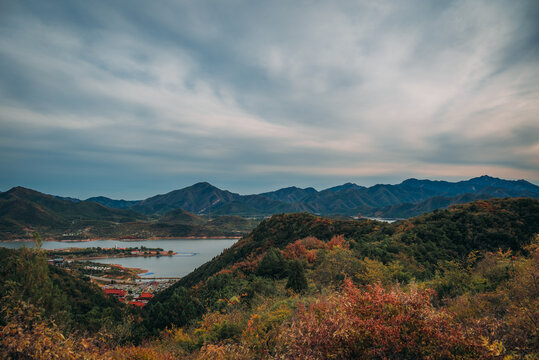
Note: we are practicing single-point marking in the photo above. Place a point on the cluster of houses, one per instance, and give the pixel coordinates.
(97, 268)
(121, 294)
(153, 252)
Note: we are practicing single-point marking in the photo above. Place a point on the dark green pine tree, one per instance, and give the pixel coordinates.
(296, 277)
(272, 265)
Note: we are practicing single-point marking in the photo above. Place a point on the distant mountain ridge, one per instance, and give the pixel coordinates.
(290, 194)
(346, 199)
(345, 186)
(196, 198)
(25, 211)
(409, 198)
(119, 204)
(22, 209)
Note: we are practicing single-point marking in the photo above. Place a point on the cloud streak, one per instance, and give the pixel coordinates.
(130, 98)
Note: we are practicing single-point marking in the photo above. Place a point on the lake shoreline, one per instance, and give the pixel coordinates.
(191, 253)
(130, 239)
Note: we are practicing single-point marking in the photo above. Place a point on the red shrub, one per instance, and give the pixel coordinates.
(311, 243)
(294, 250)
(311, 256)
(303, 249)
(376, 324)
(245, 266)
(337, 240)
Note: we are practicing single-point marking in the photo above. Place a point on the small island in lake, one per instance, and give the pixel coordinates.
(101, 253)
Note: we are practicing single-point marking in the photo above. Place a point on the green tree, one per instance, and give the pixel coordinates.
(178, 310)
(33, 278)
(272, 265)
(296, 277)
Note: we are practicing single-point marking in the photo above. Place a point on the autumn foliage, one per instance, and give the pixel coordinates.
(376, 323)
(462, 283)
(306, 249)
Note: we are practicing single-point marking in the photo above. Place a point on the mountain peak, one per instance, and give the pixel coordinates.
(410, 181)
(345, 186)
(22, 191)
(19, 189)
(485, 180)
(484, 177)
(196, 198)
(202, 183)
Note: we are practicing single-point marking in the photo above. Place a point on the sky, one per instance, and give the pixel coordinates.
(129, 99)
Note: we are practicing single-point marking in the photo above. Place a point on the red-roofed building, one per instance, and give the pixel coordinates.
(145, 297)
(115, 292)
(137, 303)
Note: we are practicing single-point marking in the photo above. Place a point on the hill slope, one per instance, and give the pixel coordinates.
(73, 303)
(424, 242)
(23, 211)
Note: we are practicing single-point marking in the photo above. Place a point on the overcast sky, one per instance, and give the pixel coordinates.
(128, 99)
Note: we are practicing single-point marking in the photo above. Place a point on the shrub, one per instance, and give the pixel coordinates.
(296, 277)
(272, 265)
(373, 324)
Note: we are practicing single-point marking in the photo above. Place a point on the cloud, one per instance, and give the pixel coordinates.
(256, 95)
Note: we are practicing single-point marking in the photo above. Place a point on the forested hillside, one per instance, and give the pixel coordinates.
(24, 211)
(30, 287)
(460, 283)
(464, 254)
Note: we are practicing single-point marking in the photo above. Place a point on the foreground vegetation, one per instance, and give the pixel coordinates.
(454, 284)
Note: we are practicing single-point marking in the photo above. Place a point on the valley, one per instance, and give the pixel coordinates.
(262, 180)
(449, 277)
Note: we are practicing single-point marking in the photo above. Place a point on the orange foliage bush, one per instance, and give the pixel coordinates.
(311, 256)
(303, 249)
(295, 250)
(376, 324)
(311, 243)
(508, 313)
(224, 272)
(337, 240)
(247, 266)
(27, 336)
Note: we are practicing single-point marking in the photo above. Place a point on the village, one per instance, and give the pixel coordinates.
(123, 283)
(136, 294)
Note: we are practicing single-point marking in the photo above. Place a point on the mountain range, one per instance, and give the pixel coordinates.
(25, 211)
(409, 198)
(205, 210)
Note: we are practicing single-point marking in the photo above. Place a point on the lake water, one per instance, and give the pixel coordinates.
(191, 253)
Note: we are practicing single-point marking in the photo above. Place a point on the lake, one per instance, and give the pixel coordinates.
(191, 253)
